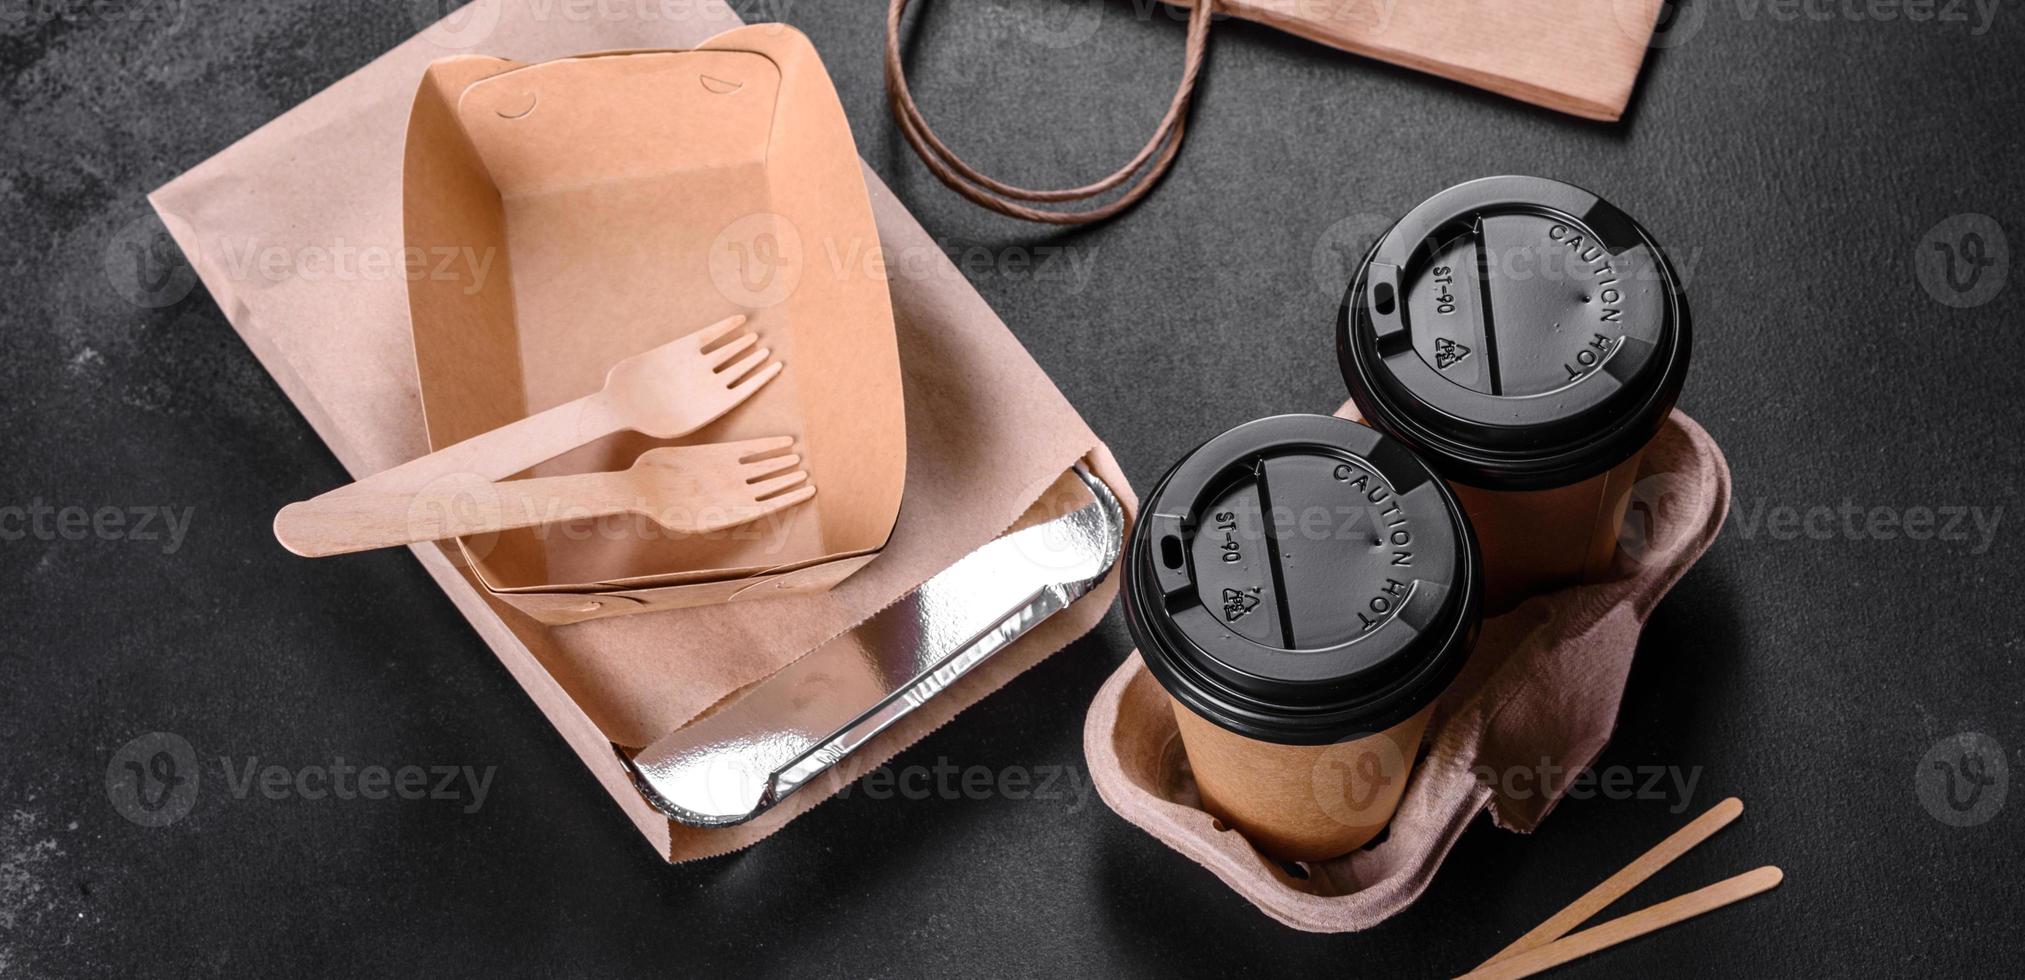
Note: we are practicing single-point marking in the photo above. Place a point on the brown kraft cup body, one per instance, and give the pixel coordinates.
(1536, 541)
(1304, 588)
(1527, 339)
(1301, 802)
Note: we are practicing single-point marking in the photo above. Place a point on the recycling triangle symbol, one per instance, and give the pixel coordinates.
(1448, 353)
(1236, 603)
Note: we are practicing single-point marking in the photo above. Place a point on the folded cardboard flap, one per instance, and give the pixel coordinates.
(594, 207)
(593, 123)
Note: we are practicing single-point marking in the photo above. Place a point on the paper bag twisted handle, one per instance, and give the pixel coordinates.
(1006, 198)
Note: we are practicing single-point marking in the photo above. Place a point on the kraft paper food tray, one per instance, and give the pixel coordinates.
(987, 432)
(624, 200)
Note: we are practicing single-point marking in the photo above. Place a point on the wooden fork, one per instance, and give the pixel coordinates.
(686, 489)
(667, 392)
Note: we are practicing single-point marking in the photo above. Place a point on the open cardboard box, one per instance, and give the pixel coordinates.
(612, 203)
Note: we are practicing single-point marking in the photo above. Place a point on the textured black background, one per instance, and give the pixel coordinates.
(1793, 165)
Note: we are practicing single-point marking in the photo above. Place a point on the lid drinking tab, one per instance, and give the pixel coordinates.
(1521, 332)
(1303, 578)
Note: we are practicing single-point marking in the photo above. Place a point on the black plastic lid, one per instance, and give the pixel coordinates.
(1303, 579)
(1519, 332)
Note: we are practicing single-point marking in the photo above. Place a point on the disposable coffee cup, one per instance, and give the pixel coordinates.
(1527, 339)
(1304, 588)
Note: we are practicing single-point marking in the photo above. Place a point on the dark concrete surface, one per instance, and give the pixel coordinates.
(1800, 168)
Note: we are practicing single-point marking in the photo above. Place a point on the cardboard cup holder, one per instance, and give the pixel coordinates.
(1544, 681)
(593, 207)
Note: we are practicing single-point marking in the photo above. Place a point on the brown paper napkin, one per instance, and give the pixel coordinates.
(1544, 683)
(264, 223)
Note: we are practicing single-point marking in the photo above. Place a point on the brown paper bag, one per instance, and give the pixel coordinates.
(1580, 58)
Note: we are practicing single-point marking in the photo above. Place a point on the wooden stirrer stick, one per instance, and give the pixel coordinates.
(1632, 926)
(1614, 887)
